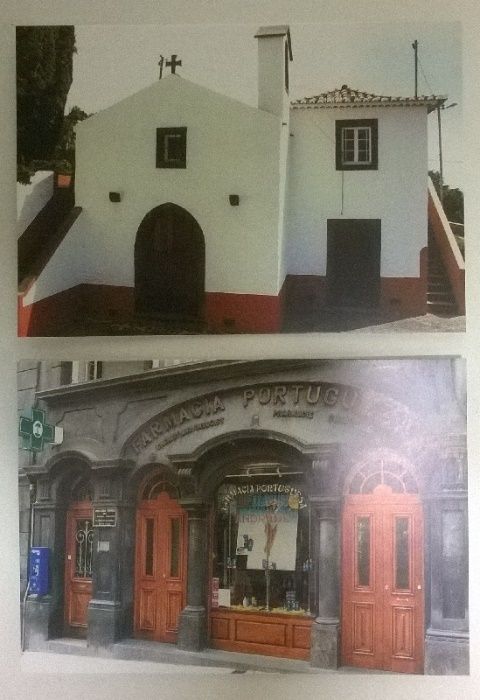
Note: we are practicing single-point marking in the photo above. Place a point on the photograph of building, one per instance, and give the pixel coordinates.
(238, 513)
(192, 211)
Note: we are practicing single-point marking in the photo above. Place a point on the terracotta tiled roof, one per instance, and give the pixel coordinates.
(347, 97)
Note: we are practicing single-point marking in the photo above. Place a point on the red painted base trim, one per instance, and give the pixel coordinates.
(400, 297)
(245, 313)
(403, 297)
(71, 311)
(304, 294)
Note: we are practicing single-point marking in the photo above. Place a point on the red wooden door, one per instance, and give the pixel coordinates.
(382, 581)
(78, 566)
(160, 568)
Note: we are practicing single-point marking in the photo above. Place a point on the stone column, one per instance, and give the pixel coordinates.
(192, 633)
(446, 575)
(44, 614)
(325, 629)
(109, 610)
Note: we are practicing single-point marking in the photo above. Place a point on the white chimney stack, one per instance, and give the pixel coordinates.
(274, 56)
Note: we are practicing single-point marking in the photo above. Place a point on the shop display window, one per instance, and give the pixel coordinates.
(262, 557)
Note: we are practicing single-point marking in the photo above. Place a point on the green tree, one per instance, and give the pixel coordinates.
(65, 150)
(44, 76)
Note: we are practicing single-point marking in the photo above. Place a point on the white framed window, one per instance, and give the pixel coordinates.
(356, 144)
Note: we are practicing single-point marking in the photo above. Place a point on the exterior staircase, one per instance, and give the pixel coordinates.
(45, 233)
(446, 265)
(440, 297)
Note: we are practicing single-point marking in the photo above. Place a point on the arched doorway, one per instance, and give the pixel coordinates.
(160, 561)
(78, 559)
(170, 264)
(382, 571)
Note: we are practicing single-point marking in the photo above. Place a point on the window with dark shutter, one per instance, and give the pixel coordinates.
(172, 147)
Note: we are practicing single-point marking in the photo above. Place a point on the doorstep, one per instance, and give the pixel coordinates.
(142, 650)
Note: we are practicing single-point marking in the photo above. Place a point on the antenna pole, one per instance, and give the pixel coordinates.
(440, 154)
(415, 48)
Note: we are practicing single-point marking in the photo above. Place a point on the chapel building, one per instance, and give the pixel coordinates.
(194, 207)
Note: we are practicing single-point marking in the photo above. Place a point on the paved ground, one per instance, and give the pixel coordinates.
(39, 662)
(49, 676)
(426, 324)
(342, 320)
(326, 321)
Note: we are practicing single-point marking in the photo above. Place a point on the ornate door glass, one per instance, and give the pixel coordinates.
(83, 549)
(174, 547)
(149, 532)
(363, 551)
(402, 553)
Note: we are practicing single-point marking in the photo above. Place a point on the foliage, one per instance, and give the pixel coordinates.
(44, 76)
(65, 149)
(452, 199)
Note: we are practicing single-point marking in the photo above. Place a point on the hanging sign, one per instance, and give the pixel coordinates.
(35, 431)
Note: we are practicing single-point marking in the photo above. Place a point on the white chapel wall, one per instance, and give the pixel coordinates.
(231, 149)
(396, 193)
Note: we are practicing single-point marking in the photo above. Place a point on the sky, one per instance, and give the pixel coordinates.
(114, 61)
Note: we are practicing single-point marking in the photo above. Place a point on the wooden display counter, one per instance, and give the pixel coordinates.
(284, 634)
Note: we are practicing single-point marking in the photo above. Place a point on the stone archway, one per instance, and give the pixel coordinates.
(170, 264)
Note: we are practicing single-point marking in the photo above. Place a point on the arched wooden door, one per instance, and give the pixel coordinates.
(170, 264)
(382, 581)
(160, 568)
(78, 566)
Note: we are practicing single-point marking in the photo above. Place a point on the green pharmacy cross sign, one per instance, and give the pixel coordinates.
(35, 432)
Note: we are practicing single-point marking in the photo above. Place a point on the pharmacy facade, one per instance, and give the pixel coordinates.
(298, 509)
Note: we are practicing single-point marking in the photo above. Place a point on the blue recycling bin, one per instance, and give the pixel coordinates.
(38, 570)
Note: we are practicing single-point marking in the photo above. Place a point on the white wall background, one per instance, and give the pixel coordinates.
(396, 193)
(231, 149)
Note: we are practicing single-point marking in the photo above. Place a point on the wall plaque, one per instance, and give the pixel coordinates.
(104, 517)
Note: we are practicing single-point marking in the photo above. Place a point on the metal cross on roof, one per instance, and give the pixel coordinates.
(173, 63)
(35, 432)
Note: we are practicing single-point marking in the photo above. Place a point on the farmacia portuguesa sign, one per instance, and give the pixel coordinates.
(288, 400)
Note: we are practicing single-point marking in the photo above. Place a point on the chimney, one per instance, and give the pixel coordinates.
(274, 56)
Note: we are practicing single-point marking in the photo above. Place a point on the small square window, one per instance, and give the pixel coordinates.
(172, 147)
(356, 144)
